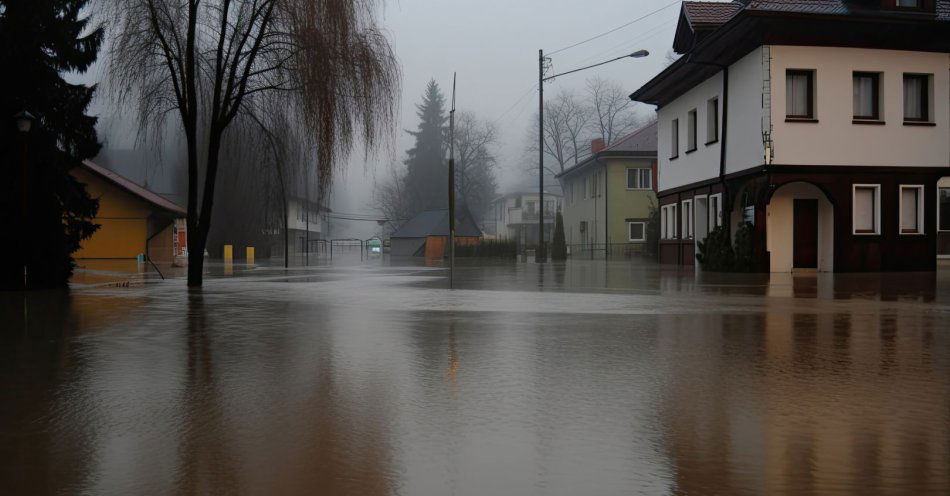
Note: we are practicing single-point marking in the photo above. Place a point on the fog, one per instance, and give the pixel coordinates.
(493, 46)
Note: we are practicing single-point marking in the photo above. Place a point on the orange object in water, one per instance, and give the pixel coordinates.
(435, 247)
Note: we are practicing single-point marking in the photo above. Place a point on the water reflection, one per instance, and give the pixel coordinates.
(615, 379)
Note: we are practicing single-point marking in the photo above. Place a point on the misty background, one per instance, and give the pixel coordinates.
(493, 47)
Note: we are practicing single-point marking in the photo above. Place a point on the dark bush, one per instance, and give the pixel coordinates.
(488, 248)
(558, 245)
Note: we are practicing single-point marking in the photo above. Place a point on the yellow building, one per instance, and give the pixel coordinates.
(133, 219)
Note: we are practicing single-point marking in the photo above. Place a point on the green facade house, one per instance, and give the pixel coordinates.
(608, 196)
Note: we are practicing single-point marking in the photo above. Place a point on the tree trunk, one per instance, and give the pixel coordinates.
(196, 255)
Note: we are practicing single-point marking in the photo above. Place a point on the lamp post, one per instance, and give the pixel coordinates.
(541, 256)
(24, 123)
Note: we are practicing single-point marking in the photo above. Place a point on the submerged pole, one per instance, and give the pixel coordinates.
(452, 188)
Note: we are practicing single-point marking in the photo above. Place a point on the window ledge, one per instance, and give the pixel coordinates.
(712, 142)
(674, 157)
(865, 234)
(800, 119)
(919, 123)
(913, 234)
(639, 189)
(691, 150)
(868, 121)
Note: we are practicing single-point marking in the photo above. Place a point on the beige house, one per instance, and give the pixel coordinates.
(608, 196)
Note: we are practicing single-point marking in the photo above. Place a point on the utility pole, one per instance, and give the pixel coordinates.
(539, 256)
(452, 189)
(306, 236)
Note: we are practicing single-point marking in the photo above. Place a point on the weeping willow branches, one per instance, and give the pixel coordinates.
(320, 67)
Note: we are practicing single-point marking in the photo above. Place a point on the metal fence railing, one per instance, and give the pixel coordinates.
(608, 250)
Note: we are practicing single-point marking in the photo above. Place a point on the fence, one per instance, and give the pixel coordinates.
(595, 251)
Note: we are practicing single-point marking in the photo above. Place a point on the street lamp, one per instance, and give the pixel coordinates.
(24, 122)
(541, 256)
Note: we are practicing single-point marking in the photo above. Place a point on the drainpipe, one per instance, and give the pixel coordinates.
(147, 257)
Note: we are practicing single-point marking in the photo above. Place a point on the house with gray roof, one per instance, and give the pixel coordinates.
(608, 196)
(427, 233)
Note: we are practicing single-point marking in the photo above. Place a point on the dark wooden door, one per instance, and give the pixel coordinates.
(805, 234)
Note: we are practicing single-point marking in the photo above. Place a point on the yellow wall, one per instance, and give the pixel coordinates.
(123, 219)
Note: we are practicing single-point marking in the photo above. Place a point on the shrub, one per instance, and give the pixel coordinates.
(558, 245)
(488, 248)
(716, 253)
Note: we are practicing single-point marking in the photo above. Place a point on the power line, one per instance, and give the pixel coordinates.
(518, 101)
(630, 44)
(618, 28)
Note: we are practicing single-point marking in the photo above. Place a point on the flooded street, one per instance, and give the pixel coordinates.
(373, 379)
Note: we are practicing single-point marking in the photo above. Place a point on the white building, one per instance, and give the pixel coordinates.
(516, 216)
(823, 124)
(307, 224)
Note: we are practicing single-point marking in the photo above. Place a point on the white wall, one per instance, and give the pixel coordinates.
(316, 220)
(834, 140)
(702, 163)
(780, 222)
(744, 148)
(578, 209)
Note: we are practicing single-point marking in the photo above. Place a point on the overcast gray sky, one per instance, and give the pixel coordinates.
(493, 46)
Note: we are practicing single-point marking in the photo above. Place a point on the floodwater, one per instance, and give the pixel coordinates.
(373, 379)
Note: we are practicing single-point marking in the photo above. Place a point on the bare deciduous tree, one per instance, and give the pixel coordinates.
(322, 65)
(612, 109)
(475, 161)
(571, 122)
(566, 127)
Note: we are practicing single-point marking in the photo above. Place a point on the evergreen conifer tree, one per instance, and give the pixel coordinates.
(426, 169)
(40, 41)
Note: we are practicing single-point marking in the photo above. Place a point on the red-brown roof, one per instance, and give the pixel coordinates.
(134, 189)
(710, 14)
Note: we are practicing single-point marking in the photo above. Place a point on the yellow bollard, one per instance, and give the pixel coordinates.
(228, 253)
(250, 255)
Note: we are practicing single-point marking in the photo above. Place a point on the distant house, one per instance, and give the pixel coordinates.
(427, 234)
(515, 216)
(308, 223)
(134, 221)
(608, 195)
(821, 124)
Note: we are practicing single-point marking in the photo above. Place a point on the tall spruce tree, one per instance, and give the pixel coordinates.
(426, 169)
(40, 41)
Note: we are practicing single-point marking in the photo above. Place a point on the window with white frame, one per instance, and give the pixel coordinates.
(687, 222)
(664, 222)
(943, 209)
(866, 211)
(712, 120)
(912, 209)
(637, 231)
(691, 131)
(675, 138)
(639, 179)
(668, 221)
(715, 211)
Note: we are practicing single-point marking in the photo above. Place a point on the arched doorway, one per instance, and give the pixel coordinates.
(800, 227)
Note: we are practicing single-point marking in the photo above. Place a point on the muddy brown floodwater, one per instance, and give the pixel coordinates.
(585, 379)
